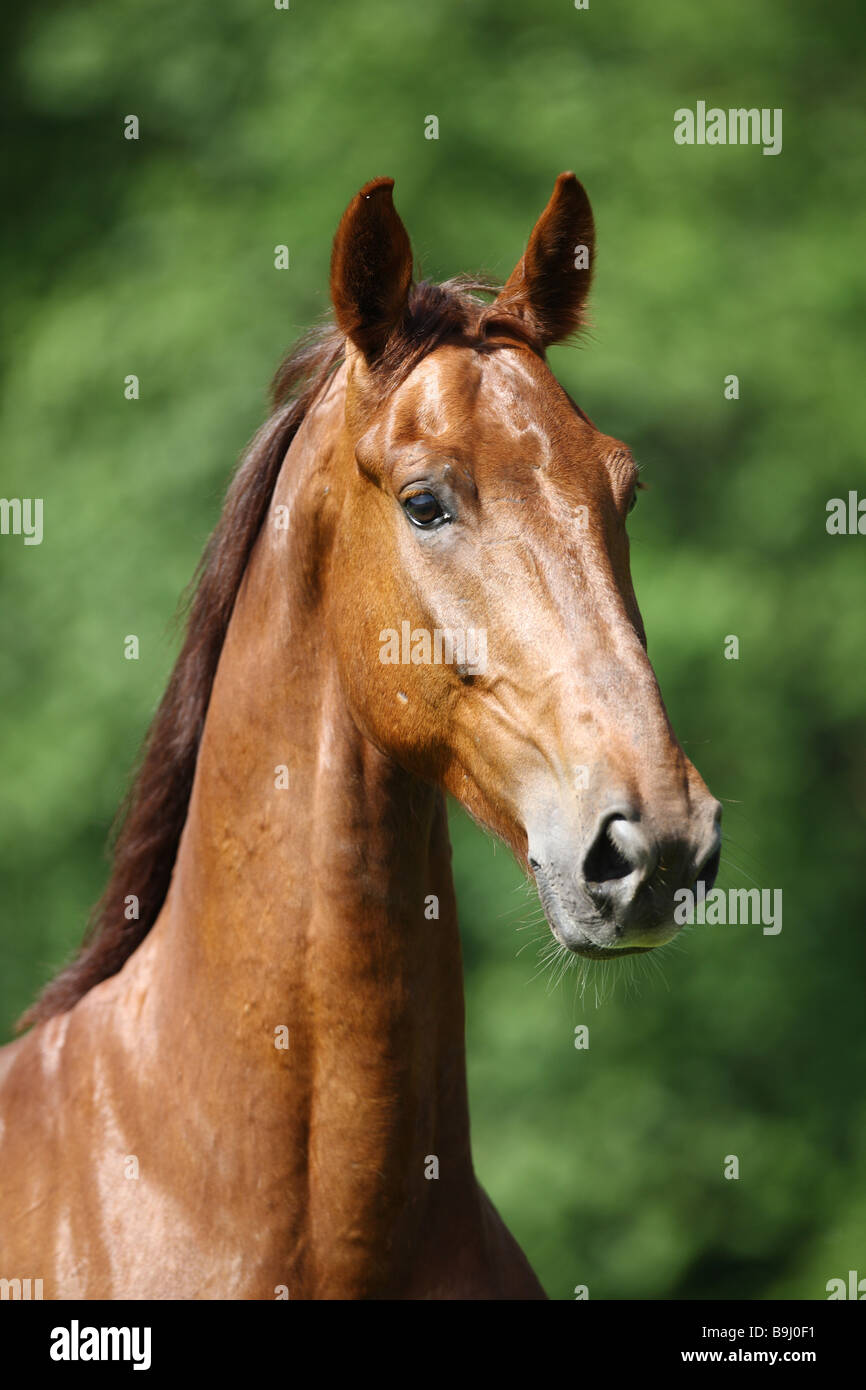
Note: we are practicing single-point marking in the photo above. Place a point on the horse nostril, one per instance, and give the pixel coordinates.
(619, 848)
(605, 860)
(709, 869)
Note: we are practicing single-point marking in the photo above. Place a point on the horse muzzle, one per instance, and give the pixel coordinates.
(619, 896)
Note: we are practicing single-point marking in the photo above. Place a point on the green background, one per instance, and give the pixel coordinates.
(156, 258)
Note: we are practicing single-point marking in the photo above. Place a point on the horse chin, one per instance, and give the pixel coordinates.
(576, 939)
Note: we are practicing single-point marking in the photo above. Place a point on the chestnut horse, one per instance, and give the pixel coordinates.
(246, 1082)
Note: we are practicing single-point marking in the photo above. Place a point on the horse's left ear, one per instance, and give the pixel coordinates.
(549, 284)
(371, 268)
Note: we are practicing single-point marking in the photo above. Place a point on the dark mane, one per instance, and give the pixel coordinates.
(152, 816)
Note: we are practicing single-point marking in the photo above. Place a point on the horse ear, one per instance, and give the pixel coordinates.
(371, 268)
(549, 284)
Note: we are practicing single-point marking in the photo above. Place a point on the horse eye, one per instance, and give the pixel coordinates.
(633, 503)
(423, 509)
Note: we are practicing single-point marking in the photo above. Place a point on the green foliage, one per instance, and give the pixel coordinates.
(156, 257)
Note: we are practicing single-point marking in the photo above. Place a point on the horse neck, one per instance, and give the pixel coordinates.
(300, 901)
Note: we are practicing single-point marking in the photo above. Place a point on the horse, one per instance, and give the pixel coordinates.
(250, 1082)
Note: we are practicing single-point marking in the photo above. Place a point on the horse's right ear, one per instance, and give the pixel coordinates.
(371, 269)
